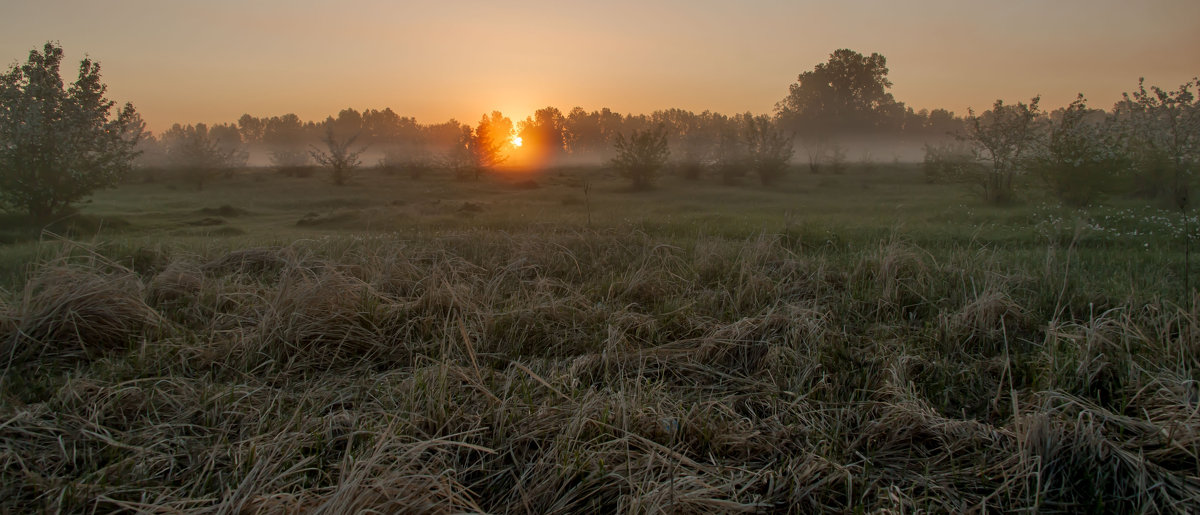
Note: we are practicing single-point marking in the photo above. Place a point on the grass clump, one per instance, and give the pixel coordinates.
(68, 310)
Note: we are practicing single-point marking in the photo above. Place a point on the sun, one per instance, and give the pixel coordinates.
(516, 141)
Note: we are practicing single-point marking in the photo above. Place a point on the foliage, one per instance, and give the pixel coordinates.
(289, 161)
(544, 134)
(414, 160)
(1082, 160)
(951, 162)
(640, 157)
(846, 93)
(338, 157)
(199, 154)
(1162, 128)
(487, 144)
(767, 148)
(59, 145)
(1004, 136)
(731, 160)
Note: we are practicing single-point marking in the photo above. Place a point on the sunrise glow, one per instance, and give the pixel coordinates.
(516, 141)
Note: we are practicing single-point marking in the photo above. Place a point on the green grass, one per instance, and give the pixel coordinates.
(862, 342)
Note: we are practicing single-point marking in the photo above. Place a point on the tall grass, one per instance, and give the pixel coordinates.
(569, 370)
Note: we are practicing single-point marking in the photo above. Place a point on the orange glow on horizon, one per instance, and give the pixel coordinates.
(516, 141)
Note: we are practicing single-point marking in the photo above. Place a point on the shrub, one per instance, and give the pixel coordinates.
(950, 162)
(340, 159)
(1082, 161)
(768, 149)
(640, 158)
(1003, 138)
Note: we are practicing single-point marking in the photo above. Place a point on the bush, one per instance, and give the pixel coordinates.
(1081, 162)
(768, 149)
(950, 163)
(640, 158)
(1003, 138)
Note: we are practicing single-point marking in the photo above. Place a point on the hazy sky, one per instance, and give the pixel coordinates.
(210, 61)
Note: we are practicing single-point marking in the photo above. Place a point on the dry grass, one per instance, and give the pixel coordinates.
(74, 310)
(567, 372)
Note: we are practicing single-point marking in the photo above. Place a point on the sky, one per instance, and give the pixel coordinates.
(212, 61)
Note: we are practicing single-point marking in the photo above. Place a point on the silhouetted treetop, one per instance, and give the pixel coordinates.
(849, 92)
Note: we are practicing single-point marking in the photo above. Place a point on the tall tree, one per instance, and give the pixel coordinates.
(58, 145)
(847, 93)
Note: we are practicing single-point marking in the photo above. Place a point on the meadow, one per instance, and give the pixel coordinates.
(554, 342)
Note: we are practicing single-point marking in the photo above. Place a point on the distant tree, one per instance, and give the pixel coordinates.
(768, 149)
(640, 157)
(229, 140)
(730, 158)
(1003, 137)
(389, 129)
(544, 134)
(414, 159)
(847, 93)
(590, 133)
(443, 137)
(348, 121)
(192, 150)
(285, 139)
(58, 145)
(1082, 160)
(337, 155)
(694, 138)
(1162, 131)
(486, 145)
(251, 128)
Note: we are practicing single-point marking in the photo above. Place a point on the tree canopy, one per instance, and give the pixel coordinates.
(58, 144)
(847, 93)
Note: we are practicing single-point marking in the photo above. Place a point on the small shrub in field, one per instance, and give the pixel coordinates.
(642, 156)
(1082, 160)
(1003, 137)
(768, 149)
(415, 162)
(340, 159)
(731, 160)
(950, 163)
(1161, 129)
(292, 163)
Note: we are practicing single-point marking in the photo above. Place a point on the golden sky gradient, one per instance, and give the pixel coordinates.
(211, 61)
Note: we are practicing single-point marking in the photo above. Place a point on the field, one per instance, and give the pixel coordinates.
(552, 342)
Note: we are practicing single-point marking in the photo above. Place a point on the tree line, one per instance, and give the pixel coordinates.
(59, 142)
